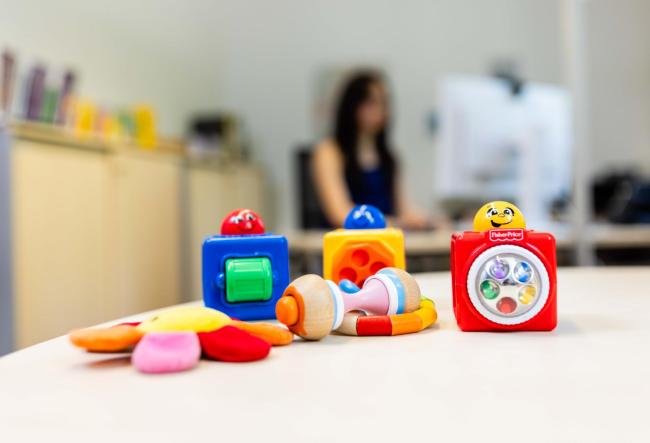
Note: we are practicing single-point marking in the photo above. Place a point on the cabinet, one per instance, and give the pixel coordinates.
(104, 231)
(144, 233)
(213, 193)
(60, 239)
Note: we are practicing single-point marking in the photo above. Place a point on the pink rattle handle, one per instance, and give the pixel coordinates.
(372, 298)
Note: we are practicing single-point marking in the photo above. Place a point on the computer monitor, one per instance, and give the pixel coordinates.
(494, 144)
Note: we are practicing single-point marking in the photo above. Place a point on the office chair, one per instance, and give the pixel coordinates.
(311, 213)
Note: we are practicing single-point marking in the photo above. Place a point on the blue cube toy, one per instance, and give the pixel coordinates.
(245, 271)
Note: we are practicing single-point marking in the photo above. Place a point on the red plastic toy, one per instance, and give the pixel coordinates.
(503, 275)
(242, 222)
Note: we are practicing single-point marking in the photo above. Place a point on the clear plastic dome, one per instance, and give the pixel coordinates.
(508, 284)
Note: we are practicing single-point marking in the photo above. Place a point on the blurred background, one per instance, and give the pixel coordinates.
(128, 130)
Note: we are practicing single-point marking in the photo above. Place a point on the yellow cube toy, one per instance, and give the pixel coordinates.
(364, 246)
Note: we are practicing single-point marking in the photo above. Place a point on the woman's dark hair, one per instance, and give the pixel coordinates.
(346, 131)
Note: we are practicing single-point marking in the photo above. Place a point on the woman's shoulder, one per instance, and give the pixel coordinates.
(327, 150)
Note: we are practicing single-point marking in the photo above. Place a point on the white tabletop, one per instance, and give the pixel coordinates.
(589, 380)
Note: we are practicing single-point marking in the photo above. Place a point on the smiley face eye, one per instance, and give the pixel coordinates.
(509, 211)
(250, 217)
(492, 212)
(236, 219)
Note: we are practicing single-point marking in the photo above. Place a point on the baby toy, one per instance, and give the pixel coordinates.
(174, 340)
(312, 307)
(365, 217)
(364, 246)
(498, 214)
(241, 222)
(503, 275)
(244, 269)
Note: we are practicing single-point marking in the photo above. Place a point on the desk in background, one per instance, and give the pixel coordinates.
(429, 251)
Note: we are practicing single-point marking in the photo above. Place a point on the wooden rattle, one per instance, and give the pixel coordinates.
(312, 307)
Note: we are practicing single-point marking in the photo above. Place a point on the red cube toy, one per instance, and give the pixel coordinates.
(503, 275)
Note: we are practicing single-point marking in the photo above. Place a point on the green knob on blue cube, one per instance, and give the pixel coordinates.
(248, 279)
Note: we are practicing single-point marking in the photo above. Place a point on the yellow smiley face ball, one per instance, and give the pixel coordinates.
(498, 215)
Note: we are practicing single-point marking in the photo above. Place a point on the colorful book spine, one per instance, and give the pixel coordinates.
(63, 106)
(35, 93)
(8, 69)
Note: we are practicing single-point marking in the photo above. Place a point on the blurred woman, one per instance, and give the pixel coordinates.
(356, 165)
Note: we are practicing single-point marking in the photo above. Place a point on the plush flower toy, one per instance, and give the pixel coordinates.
(174, 340)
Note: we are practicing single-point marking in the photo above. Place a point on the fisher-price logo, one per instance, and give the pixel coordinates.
(506, 234)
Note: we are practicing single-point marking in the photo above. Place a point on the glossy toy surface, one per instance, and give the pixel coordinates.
(244, 274)
(365, 217)
(498, 215)
(312, 307)
(504, 279)
(355, 254)
(242, 222)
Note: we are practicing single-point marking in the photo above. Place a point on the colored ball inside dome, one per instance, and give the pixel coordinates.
(499, 269)
(506, 305)
(523, 272)
(527, 294)
(489, 289)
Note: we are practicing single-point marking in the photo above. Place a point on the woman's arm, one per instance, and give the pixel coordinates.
(408, 216)
(329, 177)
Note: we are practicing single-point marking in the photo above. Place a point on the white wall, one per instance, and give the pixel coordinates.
(125, 52)
(272, 55)
(260, 59)
(618, 83)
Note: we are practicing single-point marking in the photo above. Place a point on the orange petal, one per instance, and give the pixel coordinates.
(114, 339)
(275, 335)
